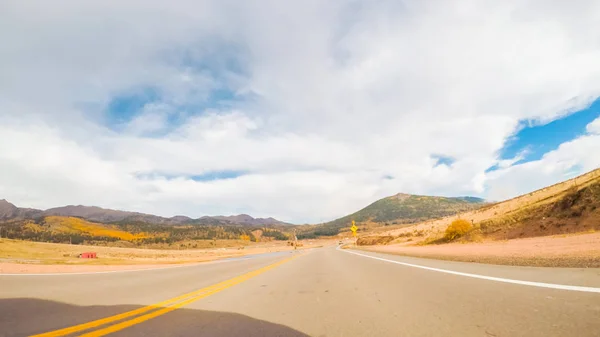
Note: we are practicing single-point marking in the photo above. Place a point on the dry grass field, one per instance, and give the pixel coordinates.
(26, 256)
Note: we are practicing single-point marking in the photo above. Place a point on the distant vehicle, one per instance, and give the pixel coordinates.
(341, 242)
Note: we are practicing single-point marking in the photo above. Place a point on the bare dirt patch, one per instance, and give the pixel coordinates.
(374, 240)
(581, 250)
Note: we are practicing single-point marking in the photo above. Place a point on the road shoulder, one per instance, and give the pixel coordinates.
(575, 251)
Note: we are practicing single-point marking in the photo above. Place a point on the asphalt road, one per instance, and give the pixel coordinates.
(323, 292)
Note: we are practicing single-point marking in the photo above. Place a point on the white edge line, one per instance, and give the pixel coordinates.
(483, 277)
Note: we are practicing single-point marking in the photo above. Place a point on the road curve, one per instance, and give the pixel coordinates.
(324, 292)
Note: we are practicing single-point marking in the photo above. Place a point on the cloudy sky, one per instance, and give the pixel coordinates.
(302, 110)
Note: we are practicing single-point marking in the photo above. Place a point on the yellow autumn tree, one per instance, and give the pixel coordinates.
(458, 228)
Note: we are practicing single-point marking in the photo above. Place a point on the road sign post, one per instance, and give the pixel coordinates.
(354, 229)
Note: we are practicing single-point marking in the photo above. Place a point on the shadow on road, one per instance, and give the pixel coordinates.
(26, 316)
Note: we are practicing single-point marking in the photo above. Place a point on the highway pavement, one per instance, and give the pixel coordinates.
(321, 292)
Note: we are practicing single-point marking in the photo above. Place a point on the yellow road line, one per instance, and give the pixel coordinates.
(167, 306)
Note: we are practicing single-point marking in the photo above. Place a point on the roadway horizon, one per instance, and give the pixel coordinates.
(320, 292)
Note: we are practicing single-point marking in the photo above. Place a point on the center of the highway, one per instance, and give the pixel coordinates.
(137, 316)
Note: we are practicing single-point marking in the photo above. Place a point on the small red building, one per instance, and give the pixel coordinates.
(88, 255)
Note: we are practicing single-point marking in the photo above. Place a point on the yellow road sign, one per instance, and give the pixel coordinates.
(353, 228)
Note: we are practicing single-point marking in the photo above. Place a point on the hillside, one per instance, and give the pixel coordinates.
(407, 208)
(100, 226)
(61, 229)
(399, 209)
(571, 206)
(9, 211)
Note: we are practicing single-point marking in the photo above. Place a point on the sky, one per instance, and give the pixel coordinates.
(300, 110)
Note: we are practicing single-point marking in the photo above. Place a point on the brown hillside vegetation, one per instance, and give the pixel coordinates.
(567, 207)
(70, 225)
(60, 229)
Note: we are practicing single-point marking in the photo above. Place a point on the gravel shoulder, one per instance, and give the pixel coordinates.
(578, 250)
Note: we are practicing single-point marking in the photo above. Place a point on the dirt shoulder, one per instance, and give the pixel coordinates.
(24, 257)
(578, 250)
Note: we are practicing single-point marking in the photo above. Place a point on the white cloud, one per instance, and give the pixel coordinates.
(331, 97)
(569, 160)
(153, 118)
(594, 127)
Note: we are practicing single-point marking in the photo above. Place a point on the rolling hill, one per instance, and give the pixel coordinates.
(399, 209)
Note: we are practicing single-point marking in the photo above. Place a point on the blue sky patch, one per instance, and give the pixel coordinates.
(442, 160)
(218, 175)
(122, 108)
(532, 142)
(492, 168)
(208, 176)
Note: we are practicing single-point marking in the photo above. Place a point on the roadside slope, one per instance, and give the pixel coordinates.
(546, 220)
(574, 199)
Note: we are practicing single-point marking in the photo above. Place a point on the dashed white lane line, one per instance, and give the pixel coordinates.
(483, 277)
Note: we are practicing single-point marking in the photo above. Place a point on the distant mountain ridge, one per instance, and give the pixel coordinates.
(247, 219)
(9, 211)
(472, 199)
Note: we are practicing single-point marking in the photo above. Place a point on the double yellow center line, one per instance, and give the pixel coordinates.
(134, 317)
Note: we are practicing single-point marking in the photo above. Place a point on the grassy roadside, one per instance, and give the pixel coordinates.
(27, 252)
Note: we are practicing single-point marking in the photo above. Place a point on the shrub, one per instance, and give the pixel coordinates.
(458, 228)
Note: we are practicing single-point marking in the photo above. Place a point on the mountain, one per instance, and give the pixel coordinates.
(405, 208)
(97, 214)
(10, 211)
(471, 199)
(401, 208)
(92, 213)
(246, 219)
